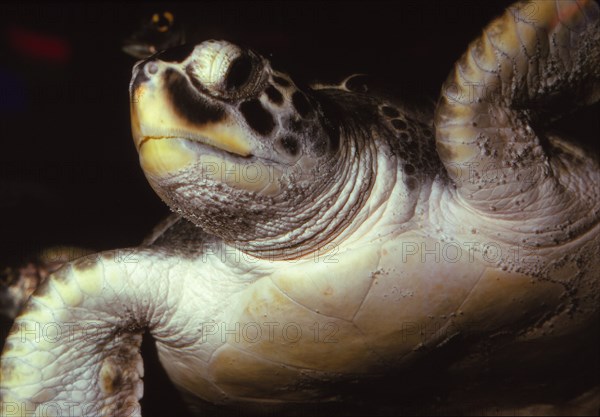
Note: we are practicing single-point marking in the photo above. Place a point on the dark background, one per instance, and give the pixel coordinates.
(69, 173)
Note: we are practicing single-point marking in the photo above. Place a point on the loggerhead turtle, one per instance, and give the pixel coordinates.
(342, 234)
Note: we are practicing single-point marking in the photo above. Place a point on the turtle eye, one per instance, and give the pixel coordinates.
(225, 70)
(239, 73)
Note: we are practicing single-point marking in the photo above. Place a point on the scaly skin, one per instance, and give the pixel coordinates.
(122, 292)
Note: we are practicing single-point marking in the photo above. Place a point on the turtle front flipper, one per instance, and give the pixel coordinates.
(74, 349)
(534, 64)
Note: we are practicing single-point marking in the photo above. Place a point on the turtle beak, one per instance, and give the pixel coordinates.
(163, 137)
(182, 130)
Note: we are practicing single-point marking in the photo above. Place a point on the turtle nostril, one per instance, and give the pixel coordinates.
(139, 75)
(143, 72)
(151, 68)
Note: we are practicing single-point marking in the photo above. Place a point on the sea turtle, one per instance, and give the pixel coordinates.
(343, 235)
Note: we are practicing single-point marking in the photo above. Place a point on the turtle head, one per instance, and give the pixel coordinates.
(221, 110)
(230, 143)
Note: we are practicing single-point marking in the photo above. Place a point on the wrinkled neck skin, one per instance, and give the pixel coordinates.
(320, 207)
(313, 208)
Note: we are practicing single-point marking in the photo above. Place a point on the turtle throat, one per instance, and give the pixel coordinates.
(316, 204)
(312, 218)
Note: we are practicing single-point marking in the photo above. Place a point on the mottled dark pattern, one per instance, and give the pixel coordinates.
(257, 117)
(274, 94)
(189, 104)
(301, 104)
(390, 111)
(281, 81)
(290, 144)
(363, 114)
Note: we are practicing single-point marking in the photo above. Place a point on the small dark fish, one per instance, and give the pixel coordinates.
(160, 31)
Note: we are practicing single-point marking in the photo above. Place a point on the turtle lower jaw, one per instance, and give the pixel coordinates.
(232, 142)
(203, 141)
(166, 156)
(162, 155)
